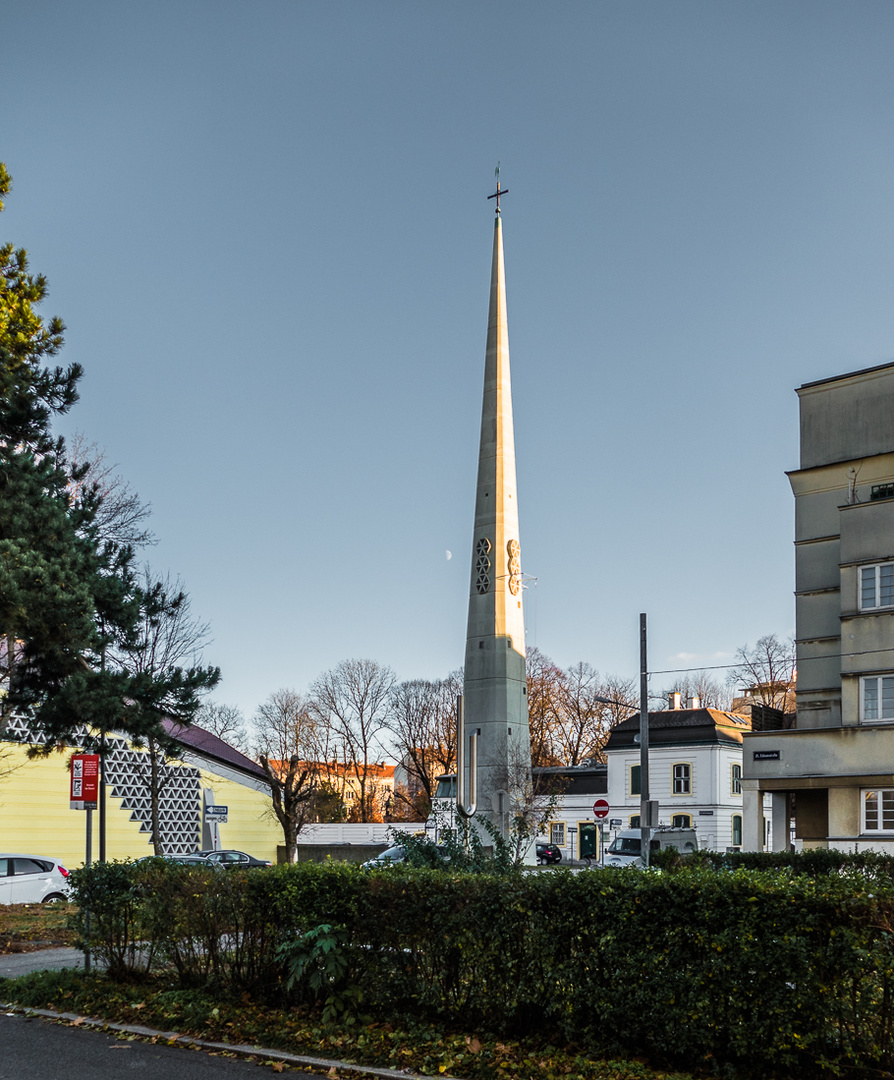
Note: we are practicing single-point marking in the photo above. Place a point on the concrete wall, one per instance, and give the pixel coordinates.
(817, 755)
(849, 417)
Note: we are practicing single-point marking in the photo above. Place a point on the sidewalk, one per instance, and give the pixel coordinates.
(12, 965)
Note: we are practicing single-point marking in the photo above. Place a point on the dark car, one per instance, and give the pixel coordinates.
(398, 854)
(230, 859)
(179, 860)
(548, 853)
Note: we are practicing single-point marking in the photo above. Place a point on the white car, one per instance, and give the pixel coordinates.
(32, 879)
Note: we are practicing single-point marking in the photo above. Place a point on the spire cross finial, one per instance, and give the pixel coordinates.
(496, 195)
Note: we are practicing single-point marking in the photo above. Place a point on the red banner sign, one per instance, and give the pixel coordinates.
(84, 781)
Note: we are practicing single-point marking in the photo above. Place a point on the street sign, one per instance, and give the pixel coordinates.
(615, 823)
(84, 791)
(600, 808)
(216, 813)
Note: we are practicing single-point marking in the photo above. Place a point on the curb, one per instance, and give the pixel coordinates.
(174, 1038)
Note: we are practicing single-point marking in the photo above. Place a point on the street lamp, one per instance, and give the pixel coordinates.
(647, 809)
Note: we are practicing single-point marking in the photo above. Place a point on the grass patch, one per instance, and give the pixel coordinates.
(421, 1048)
(22, 924)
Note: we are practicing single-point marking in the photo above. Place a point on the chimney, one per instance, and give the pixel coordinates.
(674, 700)
(695, 703)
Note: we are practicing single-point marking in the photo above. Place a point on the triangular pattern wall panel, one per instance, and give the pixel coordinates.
(127, 776)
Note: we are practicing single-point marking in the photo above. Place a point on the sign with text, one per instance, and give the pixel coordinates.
(765, 755)
(216, 813)
(84, 792)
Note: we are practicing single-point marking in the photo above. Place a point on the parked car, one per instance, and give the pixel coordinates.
(398, 854)
(548, 853)
(32, 879)
(181, 860)
(626, 848)
(230, 859)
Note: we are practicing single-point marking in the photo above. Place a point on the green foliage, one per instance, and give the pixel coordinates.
(405, 1045)
(71, 607)
(317, 967)
(758, 972)
(462, 849)
(107, 919)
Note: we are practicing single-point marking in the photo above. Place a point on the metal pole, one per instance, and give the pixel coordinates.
(645, 830)
(102, 797)
(88, 858)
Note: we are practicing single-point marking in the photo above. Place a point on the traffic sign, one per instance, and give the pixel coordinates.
(600, 808)
(216, 813)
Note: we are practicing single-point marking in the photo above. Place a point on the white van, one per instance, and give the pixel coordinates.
(626, 848)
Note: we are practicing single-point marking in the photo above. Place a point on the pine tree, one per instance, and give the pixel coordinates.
(72, 606)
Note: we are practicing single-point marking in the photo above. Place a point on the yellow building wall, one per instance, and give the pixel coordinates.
(251, 825)
(35, 817)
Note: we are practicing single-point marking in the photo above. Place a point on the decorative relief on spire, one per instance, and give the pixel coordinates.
(514, 566)
(482, 565)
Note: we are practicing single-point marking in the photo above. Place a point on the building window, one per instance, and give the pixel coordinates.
(737, 830)
(557, 833)
(878, 810)
(877, 586)
(736, 780)
(634, 821)
(682, 779)
(634, 780)
(682, 821)
(877, 697)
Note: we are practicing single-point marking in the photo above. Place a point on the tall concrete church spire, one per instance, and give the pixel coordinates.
(495, 703)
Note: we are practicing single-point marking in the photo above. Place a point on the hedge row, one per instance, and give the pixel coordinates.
(754, 971)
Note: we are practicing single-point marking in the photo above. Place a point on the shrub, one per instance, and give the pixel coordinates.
(760, 971)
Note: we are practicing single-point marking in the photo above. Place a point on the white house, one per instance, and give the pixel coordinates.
(695, 772)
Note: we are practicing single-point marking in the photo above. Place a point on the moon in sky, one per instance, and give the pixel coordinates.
(449, 555)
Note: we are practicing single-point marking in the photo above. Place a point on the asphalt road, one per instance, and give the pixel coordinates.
(35, 1049)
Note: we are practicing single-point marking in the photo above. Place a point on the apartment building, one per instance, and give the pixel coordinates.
(835, 767)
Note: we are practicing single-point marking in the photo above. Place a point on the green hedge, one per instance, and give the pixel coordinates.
(756, 971)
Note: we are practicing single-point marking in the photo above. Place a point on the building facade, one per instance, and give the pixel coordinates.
(836, 766)
(35, 815)
(695, 772)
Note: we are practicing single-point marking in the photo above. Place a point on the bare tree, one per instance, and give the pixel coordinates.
(422, 721)
(351, 703)
(544, 683)
(766, 672)
(168, 636)
(532, 803)
(711, 693)
(286, 734)
(227, 723)
(589, 707)
(121, 515)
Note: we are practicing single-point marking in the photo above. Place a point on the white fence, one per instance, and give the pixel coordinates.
(374, 833)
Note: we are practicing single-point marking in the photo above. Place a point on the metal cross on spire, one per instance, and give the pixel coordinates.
(496, 195)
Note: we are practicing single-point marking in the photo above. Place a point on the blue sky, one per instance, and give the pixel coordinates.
(266, 229)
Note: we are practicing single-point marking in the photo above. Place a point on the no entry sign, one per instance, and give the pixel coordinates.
(600, 808)
(84, 781)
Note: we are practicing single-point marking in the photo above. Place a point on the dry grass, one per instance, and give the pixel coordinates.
(25, 927)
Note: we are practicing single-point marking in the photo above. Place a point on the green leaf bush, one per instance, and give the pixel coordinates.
(753, 971)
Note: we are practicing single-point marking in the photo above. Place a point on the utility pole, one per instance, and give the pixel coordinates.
(645, 806)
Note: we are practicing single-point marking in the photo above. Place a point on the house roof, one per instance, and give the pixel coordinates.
(193, 737)
(681, 726)
(589, 779)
